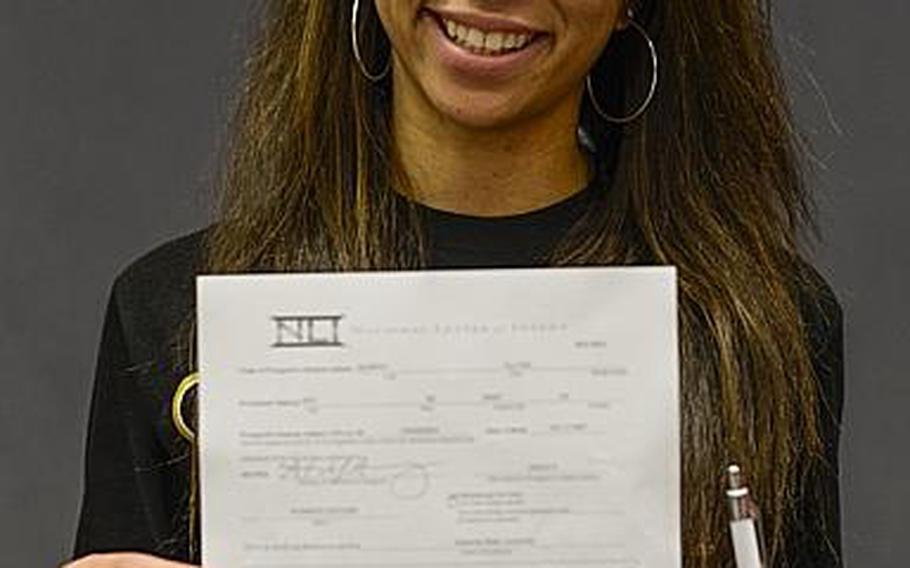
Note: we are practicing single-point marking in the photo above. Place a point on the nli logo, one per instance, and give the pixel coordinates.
(306, 331)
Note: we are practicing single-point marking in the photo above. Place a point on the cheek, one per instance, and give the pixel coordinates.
(383, 7)
(587, 26)
(396, 17)
(592, 21)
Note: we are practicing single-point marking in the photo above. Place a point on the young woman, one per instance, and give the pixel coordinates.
(425, 134)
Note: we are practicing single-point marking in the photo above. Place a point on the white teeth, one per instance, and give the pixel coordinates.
(493, 41)
(477, 40)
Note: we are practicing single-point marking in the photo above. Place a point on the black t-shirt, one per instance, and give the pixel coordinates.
(137, 466)
(523, 240)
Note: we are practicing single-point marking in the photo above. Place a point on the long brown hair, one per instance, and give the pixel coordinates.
(707, 180)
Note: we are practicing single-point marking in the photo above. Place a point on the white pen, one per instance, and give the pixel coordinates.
(745, 522)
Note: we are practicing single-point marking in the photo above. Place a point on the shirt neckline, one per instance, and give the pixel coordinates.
(556, 209)
(521, 239)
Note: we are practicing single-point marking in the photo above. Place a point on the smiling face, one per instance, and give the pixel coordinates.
(486, 63)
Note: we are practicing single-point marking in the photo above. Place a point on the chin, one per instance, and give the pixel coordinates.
(479, 111)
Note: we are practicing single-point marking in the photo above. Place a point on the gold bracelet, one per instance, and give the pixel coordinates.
(185, 385)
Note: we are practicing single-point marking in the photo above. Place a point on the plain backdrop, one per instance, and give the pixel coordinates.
(111, 115)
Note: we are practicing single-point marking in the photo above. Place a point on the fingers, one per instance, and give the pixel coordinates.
(123, 560)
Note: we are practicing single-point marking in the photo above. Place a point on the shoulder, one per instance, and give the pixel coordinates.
(171, 260)
(817, 531)
(819, 304)
(822, 317)
(154, 295)
(823, 325)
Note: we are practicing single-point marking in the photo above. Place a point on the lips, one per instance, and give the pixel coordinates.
(471, 67)
(483, 22)
(483, 29)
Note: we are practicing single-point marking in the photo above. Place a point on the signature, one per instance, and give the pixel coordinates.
(406, 479)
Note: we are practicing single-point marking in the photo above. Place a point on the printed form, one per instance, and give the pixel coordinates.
(457, 418)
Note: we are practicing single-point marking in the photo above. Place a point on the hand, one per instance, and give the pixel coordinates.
(123, 560)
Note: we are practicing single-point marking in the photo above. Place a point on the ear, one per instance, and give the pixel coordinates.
(626, 15)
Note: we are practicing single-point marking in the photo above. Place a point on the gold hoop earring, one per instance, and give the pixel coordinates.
(184, 387)
(355, 45)
(651, 90)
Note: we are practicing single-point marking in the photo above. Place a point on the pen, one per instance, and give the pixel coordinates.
(745, 522)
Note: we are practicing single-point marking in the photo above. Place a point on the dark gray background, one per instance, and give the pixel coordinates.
(111, 113)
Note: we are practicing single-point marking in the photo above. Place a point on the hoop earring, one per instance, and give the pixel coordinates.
(651, 90)
(356, 48)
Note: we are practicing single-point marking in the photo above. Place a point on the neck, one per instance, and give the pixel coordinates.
(488, 171)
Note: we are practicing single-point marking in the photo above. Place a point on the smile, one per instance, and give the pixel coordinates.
(491, 40)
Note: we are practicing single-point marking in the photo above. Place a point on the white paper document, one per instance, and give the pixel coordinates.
(458, 418)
